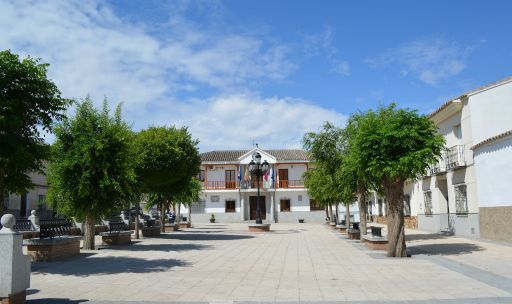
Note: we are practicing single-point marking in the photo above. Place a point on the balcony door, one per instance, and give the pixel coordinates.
(230, 179)
(283, 178)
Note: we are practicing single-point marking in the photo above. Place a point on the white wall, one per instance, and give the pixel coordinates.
(295, 171)
(493, 165)
(491, 112)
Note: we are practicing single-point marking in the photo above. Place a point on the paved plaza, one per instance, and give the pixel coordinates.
(224, 263)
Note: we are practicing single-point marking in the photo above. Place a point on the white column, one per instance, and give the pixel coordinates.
(14, 265)
(272, 208)
(242, 208)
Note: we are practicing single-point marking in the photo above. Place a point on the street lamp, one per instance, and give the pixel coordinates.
(259, 169)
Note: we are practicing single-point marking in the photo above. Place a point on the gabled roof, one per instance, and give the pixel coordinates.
(234, 155)
(471, 92)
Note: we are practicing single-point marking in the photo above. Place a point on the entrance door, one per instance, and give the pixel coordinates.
(253, 207)
(283, 178)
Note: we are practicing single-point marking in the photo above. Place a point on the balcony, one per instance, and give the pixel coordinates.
(291, 184)
(438, 167)
(455, 157)
(220, 185)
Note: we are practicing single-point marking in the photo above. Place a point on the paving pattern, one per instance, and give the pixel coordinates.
(224, 263)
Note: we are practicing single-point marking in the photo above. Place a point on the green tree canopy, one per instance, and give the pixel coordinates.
(394, 145)
(92, 169)
(29, 104)
(167, 160)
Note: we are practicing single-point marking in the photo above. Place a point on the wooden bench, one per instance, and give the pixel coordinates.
(54, 242)
(117, 234)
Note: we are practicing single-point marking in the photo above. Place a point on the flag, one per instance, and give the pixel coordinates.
(240, 173)
(247, 176)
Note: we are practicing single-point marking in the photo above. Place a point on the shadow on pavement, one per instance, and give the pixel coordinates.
(55, 301)
(205, 236)
(444, 249)
(161, 247)
(430, 236)
(106, 265)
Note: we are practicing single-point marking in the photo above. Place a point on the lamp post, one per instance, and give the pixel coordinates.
(259, 169)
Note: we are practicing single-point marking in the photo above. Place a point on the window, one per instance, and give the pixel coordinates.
(428, 202)
(300, 198)
(407, 205)
(197, 207)
(461, 199)
(230, 206)
(230, 179)
(285, 205)
(200, 176)
(314, 205)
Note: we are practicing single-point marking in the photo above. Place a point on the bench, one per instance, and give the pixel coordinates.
(376, 231)
(376, 241)
(54, 242)
(26, 228)
(354, 233)
(117, 234)
(149, 227)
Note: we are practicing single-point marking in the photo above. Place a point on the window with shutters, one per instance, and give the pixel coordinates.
(461, 199)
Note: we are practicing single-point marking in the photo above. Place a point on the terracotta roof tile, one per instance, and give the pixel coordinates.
(233, 155)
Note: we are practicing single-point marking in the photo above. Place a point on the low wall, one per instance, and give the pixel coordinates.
(410, 222)
(308, 216)
(53, 249)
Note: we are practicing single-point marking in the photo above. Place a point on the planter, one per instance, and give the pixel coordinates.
(212, 220)
(301, 221)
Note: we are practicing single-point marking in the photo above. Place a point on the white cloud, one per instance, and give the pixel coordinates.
(430, 60)
(93, 51)
(233, 121)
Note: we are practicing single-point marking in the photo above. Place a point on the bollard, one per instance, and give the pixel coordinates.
(14, 265)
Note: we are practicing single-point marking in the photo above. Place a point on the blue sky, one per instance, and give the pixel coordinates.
(234, 71)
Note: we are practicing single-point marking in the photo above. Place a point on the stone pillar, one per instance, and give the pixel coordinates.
(272, 209)
(34, 219)
(14, 265)
(242, 208)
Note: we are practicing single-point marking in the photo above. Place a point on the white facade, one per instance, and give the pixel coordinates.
(34, 199)
(476, 168)
(230, 191)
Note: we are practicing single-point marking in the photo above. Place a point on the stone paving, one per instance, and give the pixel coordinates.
(222, 263)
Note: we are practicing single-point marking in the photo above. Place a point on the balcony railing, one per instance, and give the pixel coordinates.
(455, 157)
(452, 157)
(217, 185)
(291, 184)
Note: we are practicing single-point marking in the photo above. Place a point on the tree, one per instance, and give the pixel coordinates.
(167, 159)
(29, 104)
(322, 181)
(91, 173)
(394, 145)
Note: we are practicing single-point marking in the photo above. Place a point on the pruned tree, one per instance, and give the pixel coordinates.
(29, 104)
(167, 159)
(394, 145)
(91, 172)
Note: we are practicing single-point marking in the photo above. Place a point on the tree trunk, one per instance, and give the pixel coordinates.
(361, 202)
(136, 220)
(347, 215)
(190, 213)
(337, 213)
(178, 214)
(326, 213)
(394, 191)
(330, 213)
(89, 232)
(162, 216)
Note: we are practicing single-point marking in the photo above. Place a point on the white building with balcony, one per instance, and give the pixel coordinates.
(230, 191)
(467, 191)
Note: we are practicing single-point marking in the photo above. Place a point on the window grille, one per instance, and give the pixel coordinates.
(314, 205)
(285, 205)
(428, 202)
(461, 199)
(197, 207)
(230, 206)
(407, 205)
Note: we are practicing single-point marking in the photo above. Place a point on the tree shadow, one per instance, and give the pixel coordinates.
(444, 249)
(160, 247)
(186, 236)
(430, 236)
(56, 301)
(107, 265)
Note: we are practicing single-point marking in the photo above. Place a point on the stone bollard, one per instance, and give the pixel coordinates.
(34, 219)
(14, 265)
